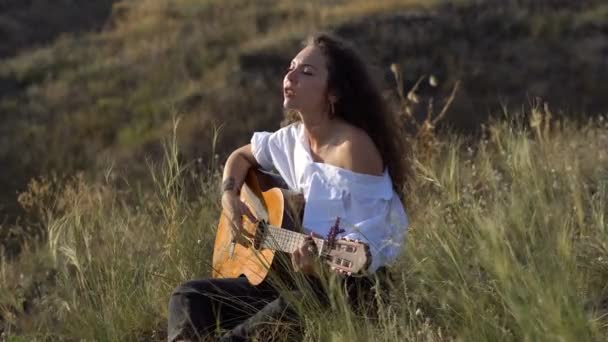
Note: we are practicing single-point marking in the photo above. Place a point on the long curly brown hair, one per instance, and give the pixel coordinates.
(360, 102)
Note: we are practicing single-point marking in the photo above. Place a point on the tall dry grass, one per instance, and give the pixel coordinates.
(507, 242)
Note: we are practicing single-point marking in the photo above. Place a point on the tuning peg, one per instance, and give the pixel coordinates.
(349, 273)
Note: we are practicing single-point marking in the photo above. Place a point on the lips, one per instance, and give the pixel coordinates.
(289, 92)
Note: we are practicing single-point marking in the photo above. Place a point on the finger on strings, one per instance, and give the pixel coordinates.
(311, 242)
(238, 229)
(238, 233)
(296, 259)
(234, 227)
(247, 212)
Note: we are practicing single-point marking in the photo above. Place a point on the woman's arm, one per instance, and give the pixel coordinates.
(235, 170)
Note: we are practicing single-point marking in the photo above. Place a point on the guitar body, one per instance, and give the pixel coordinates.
(278, 212)
(232, 260)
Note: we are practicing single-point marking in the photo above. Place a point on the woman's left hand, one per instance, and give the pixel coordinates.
(304, 259)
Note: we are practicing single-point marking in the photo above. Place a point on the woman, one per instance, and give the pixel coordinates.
(342, 154)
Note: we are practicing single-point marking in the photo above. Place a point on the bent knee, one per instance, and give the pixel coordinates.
(193, 287)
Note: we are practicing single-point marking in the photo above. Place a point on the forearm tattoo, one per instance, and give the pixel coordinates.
(228, 184)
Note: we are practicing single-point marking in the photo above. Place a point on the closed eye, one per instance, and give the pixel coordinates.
(305, 70)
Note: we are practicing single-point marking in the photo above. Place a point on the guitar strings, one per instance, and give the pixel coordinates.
(285, 240)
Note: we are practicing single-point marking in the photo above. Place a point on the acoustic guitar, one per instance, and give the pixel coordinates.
(253, 256)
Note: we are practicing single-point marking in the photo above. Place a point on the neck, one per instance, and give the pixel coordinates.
(319, 129)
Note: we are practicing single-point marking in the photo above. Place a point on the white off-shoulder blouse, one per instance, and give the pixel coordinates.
(368, 207)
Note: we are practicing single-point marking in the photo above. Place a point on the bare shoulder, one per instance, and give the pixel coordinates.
(358, 152)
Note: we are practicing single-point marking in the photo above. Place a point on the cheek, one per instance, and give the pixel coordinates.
(315, 90)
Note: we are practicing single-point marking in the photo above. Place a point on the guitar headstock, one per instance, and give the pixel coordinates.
(349, 256)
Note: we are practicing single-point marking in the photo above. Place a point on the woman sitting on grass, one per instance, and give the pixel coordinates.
(343, 154)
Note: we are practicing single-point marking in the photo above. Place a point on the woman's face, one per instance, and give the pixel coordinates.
(305, 84)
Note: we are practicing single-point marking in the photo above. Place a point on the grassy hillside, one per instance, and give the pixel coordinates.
(85, 97)
(507, 242)
(87, 100)
(508, 225)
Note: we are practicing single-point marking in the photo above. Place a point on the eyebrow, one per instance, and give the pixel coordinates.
(306, 64)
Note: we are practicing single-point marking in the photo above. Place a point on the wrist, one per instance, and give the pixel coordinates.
(229, 193)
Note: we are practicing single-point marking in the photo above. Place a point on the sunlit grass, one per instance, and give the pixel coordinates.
(508, 235)
(507, 242)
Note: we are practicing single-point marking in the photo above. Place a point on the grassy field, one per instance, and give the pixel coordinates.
(508, 241)
(112, 204)
(87, 98)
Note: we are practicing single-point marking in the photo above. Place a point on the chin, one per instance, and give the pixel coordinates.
(288, 105)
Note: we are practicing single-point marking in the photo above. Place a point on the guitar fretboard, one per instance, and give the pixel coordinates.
(284, 240)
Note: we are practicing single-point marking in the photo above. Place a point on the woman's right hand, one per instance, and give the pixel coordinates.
(234, 208)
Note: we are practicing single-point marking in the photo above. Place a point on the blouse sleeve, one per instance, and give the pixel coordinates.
(261, 149)
(274, 152)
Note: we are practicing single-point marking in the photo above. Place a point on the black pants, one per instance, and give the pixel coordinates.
(198, 307)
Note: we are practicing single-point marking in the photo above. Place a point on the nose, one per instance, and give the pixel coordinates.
(291, 76)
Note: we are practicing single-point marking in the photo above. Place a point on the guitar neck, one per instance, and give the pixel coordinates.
(284, 240)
